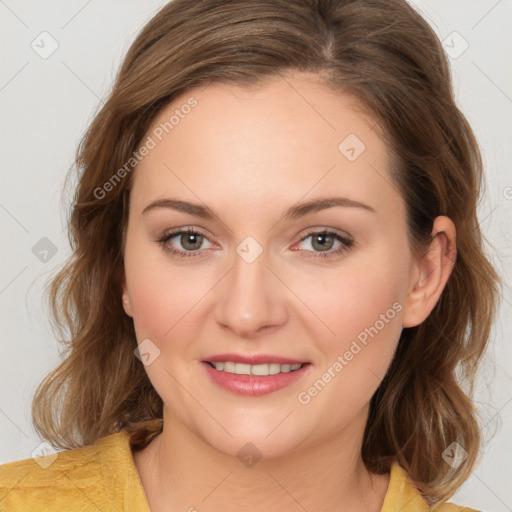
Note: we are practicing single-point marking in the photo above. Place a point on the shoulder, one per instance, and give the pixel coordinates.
(402, 495)
(67, 480)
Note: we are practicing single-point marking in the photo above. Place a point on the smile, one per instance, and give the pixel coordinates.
(254, 379)
(255, 369)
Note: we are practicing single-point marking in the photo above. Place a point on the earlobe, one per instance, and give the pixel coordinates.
(126, 298)
(431, 273)
(127, 305)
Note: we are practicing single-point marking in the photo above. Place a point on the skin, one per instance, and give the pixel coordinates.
(249, 154)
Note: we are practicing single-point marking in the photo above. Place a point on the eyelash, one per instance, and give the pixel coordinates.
(347, 243)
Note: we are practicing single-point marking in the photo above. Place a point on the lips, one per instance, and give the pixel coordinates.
(253, 359)
(256, 374)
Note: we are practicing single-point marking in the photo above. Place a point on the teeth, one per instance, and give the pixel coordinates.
(255, 369)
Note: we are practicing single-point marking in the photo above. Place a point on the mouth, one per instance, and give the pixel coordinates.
(257, 377)
(260, 370)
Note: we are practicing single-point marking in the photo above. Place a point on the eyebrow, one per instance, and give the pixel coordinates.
(294, 212)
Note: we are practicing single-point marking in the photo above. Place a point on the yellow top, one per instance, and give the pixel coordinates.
(103, 477)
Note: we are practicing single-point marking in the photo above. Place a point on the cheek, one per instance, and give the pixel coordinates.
(363, 293)
(164, 295)
(361, 310)
(166, 299)
(353, 367)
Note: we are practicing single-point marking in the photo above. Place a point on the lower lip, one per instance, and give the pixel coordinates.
(254, 385)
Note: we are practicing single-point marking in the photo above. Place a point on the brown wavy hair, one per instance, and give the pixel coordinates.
(385, 54)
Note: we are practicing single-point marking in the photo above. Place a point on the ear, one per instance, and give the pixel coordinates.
(125, 296)
(430, 274)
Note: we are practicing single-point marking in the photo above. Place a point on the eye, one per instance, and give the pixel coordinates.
(190, 239)
(323, 241)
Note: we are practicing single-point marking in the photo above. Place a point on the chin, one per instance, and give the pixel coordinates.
(250, 448)
(257, 436)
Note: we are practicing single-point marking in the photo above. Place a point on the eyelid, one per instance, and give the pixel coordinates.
(346, 242)
(184, 230)
(308, 232)
(333, 231)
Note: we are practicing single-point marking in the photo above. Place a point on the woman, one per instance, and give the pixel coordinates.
(277, 273)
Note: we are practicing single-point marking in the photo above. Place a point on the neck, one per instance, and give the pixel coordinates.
(180, 471)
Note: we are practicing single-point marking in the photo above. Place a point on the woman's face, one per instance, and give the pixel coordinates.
(254, 284)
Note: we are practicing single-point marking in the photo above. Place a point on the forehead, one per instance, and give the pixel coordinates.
(269, 144)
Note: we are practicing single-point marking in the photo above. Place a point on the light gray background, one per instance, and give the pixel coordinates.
(46, 104)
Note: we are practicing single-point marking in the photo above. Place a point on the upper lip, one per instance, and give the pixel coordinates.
(253, 359)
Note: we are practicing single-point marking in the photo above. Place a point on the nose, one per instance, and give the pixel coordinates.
(250, 299)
